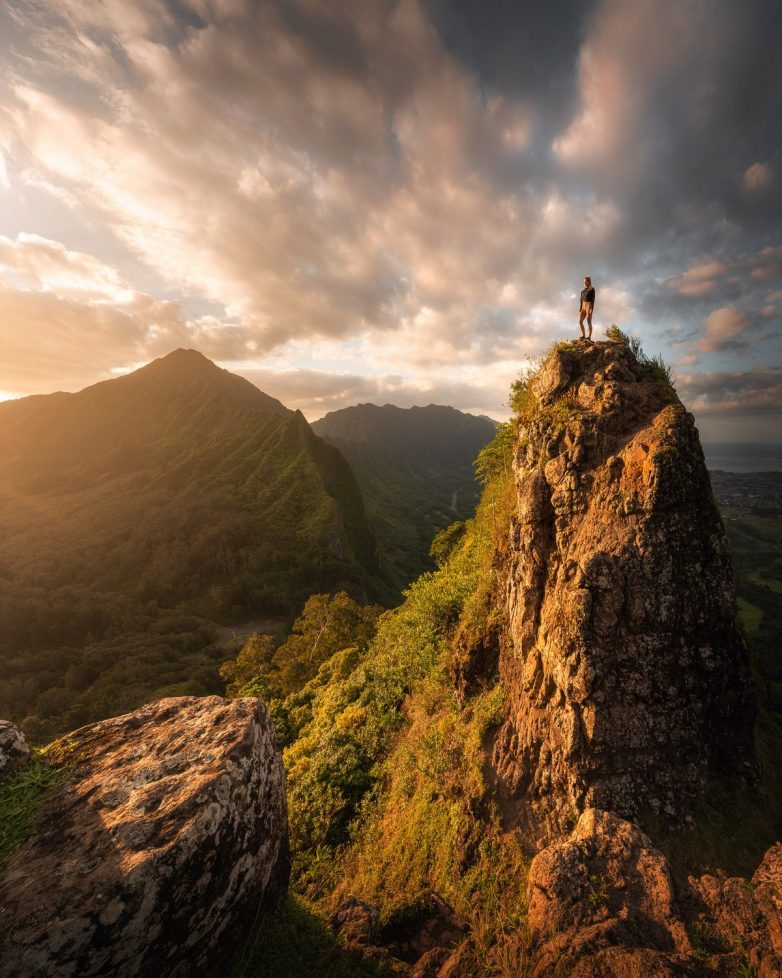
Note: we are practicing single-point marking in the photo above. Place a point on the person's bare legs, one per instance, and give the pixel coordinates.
(589, 323)
(581, 314)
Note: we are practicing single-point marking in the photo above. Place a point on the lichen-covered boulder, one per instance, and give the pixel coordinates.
(167, 838)
(14, 752)
(628, 679)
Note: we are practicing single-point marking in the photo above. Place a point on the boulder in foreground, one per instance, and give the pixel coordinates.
(163, 844)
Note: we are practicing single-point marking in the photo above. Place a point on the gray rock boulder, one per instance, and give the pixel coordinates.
(14, 752)
(160, 849)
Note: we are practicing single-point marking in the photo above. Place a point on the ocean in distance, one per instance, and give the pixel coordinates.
(743, 457)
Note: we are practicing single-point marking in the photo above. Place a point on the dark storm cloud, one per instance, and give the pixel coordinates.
(527, 50)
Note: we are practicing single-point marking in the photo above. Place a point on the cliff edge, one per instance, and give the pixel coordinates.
(628, 677)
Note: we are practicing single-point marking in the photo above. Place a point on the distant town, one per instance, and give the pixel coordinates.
(748, 493)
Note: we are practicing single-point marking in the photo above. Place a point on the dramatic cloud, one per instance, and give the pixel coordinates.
(722, 327)
(756, 177)
(383, 200)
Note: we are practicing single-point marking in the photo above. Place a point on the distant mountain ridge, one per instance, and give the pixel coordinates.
(415, 469)
(434, 435)
(178, 486)
(74, 430)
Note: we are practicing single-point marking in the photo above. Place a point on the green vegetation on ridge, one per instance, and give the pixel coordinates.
(384, 758)
(415, 469)
(138, 510)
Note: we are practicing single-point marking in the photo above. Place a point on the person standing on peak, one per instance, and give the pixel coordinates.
(587, 307)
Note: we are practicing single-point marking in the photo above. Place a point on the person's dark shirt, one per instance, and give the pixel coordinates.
(588, 295)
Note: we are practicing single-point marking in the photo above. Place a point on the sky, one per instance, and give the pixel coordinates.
(393, 201)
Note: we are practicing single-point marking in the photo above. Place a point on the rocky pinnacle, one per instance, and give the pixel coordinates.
(628, 679)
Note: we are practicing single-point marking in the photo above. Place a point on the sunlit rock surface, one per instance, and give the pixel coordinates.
(627, 675)
(603, 904)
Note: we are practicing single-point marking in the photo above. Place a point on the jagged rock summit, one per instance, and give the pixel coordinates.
(629, 679)
(165, 839)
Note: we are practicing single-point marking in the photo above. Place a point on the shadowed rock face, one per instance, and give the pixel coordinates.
(628, 678)
(602, 904)
(158, 850)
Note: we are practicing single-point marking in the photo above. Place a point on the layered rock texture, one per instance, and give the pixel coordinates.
(603, 904)
(165, 841)
(628, 677)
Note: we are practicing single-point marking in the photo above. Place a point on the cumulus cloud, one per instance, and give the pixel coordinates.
(700, 280)
(756, 178)
(722, 328)
(634, 56)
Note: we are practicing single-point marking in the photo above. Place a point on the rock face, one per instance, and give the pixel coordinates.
(426, 934)
(628, 677)
(602, 904)
(14, 752)
(164, 842)
(605, 886)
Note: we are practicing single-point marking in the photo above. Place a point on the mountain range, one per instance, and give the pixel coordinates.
(138, 512)
(556, 756)
(415, 470)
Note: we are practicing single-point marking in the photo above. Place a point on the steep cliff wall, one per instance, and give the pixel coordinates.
(628, 679)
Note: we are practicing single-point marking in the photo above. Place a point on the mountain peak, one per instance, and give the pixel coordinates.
(185, 358)
(189, 370)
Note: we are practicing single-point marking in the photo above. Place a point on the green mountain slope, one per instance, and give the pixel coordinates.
(415, 468)
(179, 487)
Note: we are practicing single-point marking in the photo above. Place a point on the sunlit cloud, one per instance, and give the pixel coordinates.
(756, 177)
(348, 196)
(722, 328)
